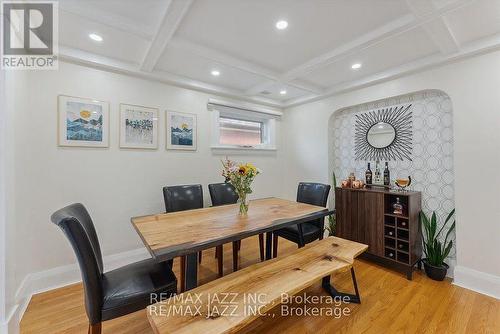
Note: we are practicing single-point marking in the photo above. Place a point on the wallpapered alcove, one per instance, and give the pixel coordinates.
(430, 162)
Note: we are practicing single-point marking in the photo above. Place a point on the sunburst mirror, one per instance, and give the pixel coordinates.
(384, 134)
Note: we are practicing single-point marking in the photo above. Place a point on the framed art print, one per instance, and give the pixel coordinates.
(82, 122)
(181, 131)
(138, 127)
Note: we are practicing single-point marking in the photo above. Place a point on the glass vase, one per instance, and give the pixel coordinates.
(243, 205)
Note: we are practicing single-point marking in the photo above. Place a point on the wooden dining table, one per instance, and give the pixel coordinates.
(185, 233)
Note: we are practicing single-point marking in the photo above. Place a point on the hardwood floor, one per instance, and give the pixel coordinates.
(390, 304)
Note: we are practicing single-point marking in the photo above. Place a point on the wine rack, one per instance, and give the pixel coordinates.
(367, 216)
(398, 230)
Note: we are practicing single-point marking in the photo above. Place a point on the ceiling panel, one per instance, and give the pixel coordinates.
(195, 67)
(273, 92)
(479, 19)
(247, 30)
(139, 17)
(144, 11)
(404, 48)
(118, 44)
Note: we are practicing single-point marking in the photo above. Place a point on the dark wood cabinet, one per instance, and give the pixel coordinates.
(367, 216)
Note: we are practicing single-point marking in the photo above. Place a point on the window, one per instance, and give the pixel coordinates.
(239, 132)
(239, 127)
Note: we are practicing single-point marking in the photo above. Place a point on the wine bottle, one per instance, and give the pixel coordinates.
(378, 178)
(387, 174)
(368, 175)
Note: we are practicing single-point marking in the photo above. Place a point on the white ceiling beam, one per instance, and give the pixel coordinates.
(222, 58)
(438, 29)
(472, 49)
(174, 13)
(310, 88)
(392, 29)
(111, 20)
(304, 86)
(77, 56)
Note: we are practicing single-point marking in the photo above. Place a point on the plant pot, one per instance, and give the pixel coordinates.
(437, 273)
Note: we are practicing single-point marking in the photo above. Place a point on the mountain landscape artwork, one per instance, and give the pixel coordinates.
(181, 131)
(83, 121)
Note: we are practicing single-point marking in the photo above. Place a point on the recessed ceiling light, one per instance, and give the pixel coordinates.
(356, 66)
(215, 73)
(282, 24)
(95, 37)
(283, 92)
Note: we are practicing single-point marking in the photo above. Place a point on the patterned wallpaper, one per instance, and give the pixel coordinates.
(432, 167)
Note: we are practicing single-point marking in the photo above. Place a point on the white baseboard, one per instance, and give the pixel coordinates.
(478, 281)
(452, 263)
(58, 277)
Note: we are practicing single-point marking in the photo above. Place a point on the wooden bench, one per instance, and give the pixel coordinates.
(227, 304)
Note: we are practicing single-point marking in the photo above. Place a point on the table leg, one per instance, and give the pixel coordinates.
(182, 268)
(261, 247)
(191, 277)
(269, 245)
(219, 254)
(235, 255)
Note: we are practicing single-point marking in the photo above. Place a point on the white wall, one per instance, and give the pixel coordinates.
(115, 184)
(473, 86)
(14, 90)
(3, 220)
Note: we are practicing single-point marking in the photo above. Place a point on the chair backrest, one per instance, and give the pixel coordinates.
(75, 222)
(180, 198)
(222, 193)
(314, 194)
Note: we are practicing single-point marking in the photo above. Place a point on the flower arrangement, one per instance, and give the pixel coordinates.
(240, 176)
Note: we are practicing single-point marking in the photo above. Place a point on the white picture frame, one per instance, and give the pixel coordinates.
(138, 127)
(82, 122)
(181, 131)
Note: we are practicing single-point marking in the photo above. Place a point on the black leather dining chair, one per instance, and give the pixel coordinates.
(180, 198)
(222, 194)
(309, 193)
(111, 294)
(186, 197)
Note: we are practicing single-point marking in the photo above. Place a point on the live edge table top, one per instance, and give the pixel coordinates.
(180, 233)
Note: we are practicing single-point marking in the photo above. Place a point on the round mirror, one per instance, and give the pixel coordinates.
(381, 135)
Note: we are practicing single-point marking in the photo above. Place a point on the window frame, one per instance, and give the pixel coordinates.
(261, 128)
(268, 130)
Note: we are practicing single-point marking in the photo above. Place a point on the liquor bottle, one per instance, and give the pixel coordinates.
(368, 175)
(378, 178)
(398, 207)
(387, 174)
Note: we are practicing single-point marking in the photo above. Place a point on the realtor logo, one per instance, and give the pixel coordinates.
(29, 32)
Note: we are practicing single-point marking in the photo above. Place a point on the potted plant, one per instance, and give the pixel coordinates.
(435, 250)
(332, 222)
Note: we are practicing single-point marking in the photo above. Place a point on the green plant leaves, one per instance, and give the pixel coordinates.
(436, 251)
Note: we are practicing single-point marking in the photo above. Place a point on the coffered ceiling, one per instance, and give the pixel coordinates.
(183, 41)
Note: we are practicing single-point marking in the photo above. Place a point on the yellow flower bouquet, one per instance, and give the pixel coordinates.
(240, 176)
